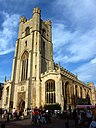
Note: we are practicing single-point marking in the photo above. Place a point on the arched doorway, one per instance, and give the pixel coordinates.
(22, 105)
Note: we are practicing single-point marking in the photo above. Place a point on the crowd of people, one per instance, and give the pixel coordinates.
(41, 116)
(84, 118)
(12, 114)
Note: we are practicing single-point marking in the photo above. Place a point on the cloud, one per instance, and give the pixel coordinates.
(93, 61)
(21, 6)
(87, 71)
(74, 37)
(76, 48)
(73, 47)
(77, 13)
(8, 32)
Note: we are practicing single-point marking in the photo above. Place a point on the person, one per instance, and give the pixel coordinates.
(14, 112)
(89, 115)
(93, 123)
(67, 121)
(5, 113)
(75, 117)
(18, 115)
(83, 120)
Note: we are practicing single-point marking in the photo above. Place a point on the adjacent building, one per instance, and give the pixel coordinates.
(1, 89)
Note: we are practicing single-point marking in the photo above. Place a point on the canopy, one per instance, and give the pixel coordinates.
(85, 106)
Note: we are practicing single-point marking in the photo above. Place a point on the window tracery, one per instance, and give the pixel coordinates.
(50, 91)
(24, 60)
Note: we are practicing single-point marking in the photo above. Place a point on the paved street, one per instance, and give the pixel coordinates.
(26, 123)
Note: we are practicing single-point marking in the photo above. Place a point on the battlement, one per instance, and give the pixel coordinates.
(36, 10)
(23, 19)
(91, 84)
(48, 72)
(48, 22)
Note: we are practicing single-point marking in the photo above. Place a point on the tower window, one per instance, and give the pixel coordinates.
(43, 32)
(24, 65)
(35, 66)
(25, 43)
(43, 44)
(27, 31)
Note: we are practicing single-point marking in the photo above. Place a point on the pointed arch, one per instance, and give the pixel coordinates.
(27, 31)
(66, 92)
(50, 91)
(24, 60)
(22, 105)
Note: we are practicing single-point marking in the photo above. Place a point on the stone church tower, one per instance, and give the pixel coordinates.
(35, 79)
(33, 56)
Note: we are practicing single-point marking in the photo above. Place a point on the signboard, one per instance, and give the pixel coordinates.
(85, 106)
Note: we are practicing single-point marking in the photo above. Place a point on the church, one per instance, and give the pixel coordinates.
(36, 80)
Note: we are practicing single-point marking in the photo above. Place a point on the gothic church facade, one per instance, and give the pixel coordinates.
(36, 80)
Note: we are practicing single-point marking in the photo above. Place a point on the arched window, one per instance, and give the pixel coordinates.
(27, 31)
(76, 91)
(66, 93)
(43, 32)
(25, 43)
(24, 60)
(7, 94)
(81, 91)
(50, 91)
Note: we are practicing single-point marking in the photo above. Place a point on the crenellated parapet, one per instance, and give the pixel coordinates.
(7, 82)
(23, 19)
(48, 22)
(36, 10)
(64, 71)
(49, 72)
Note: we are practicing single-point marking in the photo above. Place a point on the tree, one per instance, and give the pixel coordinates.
(56, 106)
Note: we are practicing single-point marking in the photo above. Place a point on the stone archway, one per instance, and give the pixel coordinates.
(21, 101)
(22, 105)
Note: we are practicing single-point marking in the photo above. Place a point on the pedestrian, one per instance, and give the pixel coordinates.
(89, 115)
(83, 120)
(18, 115)
(67, 121)
(75, 117)
(93, 123)
(8, 116)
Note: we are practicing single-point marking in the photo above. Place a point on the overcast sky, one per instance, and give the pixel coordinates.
(73, 33)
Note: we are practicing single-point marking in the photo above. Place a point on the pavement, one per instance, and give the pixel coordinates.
(26, 123)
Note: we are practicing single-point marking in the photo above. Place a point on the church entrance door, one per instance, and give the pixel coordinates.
(22, 105)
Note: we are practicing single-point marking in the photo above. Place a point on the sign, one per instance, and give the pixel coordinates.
(85, 106)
